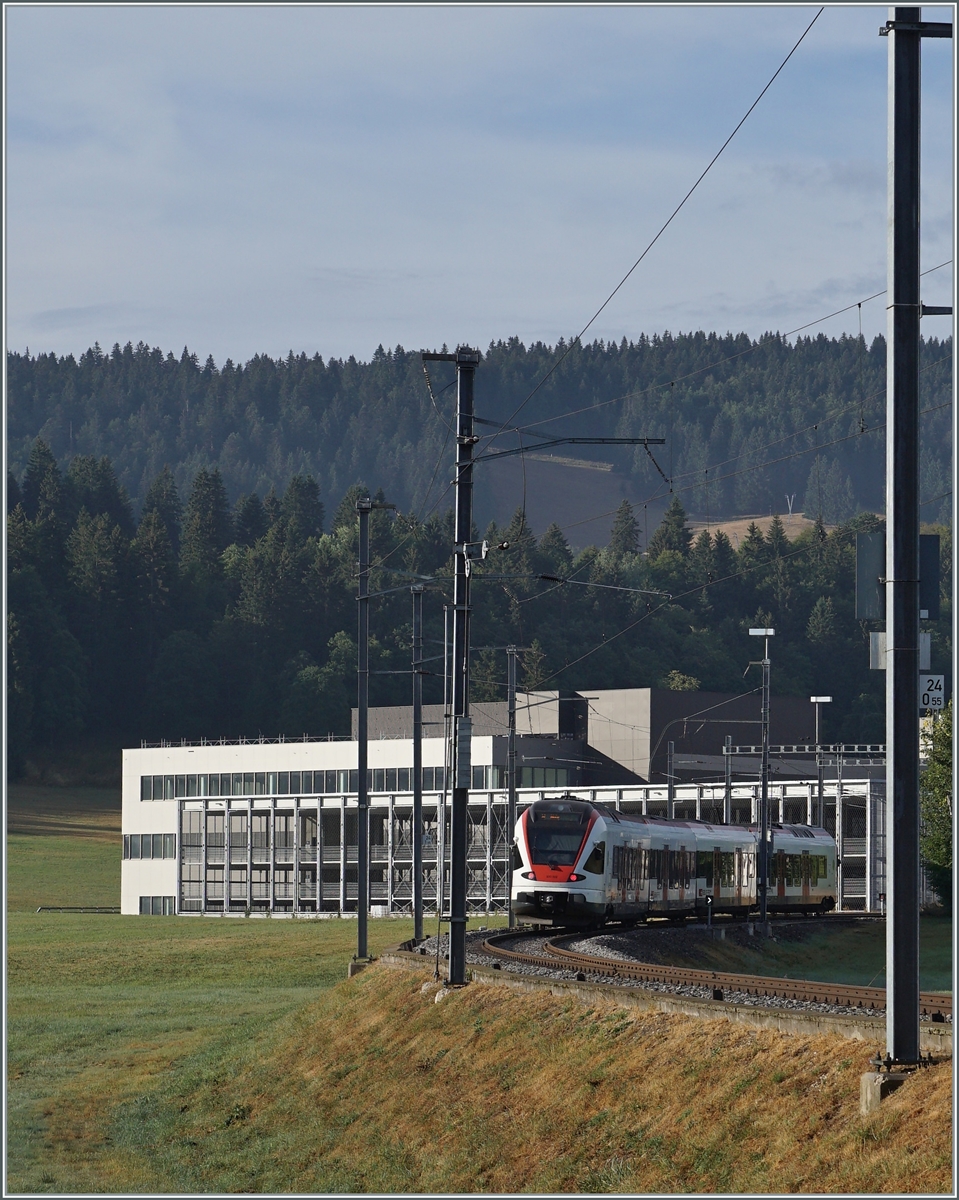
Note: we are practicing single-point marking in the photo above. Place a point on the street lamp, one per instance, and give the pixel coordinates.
(818, 700)
(766, 634)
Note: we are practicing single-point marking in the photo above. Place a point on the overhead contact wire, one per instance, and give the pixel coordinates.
(662, 230)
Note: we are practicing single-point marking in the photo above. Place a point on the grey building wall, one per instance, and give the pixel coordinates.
(623, 733)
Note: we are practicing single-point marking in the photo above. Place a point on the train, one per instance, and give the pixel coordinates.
(582, 863)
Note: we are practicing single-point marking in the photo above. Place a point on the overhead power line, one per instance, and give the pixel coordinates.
(662, 229)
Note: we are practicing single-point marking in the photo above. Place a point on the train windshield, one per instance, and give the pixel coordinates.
(556, 845)
(555, 831)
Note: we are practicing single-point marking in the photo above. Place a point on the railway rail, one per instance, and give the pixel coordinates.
(934, 1006)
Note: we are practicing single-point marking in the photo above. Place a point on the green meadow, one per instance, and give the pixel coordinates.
(199, 1055)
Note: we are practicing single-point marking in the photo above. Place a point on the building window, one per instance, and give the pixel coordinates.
(308, 831)
(157, 906)
(149, 845)
(260, 829)
(283, 827)
(238, 833)
(283, 783)
(329, 782)
(192, 835)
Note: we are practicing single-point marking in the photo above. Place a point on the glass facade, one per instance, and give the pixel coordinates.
(302, 783)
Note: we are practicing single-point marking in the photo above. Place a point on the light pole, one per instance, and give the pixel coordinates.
(364, 506)
(766, 634)
(818, 700)
(417, 592)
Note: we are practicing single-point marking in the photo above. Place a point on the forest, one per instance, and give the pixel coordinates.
(746, 422)
(191, 615)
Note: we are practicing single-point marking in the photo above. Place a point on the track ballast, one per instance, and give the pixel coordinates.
(552, 952)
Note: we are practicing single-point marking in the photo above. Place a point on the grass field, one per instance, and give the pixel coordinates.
(191, 1056)
(841, 954)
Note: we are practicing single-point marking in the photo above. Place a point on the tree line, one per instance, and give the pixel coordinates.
(747, 422)
(201, 617)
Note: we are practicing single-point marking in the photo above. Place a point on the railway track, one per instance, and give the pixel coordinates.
(934, 1006)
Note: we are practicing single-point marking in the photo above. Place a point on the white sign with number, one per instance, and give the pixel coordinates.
(932, 691)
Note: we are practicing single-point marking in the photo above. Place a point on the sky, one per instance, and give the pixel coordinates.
(259, 179)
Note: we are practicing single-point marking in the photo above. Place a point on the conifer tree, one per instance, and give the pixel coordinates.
(936, 802)
(164, 498)
(625, 535)
(42, 484)
(208, 528)
(250, 520)
(672, 533)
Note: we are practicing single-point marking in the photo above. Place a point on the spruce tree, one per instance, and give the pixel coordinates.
(672, 533)
(42, 484)
(208, 528)
(164, 499)
(250, 520)
(625, 534)
(302, 508)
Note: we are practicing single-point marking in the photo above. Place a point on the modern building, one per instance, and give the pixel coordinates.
(269, 828)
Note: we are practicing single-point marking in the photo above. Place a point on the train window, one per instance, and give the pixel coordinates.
(704, 866)
(727, 869)
(595, 864)
(516, 859)
(557, 844)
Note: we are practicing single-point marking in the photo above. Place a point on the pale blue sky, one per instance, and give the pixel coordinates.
(244, 179)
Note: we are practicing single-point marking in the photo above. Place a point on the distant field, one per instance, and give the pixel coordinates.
(195, 1055)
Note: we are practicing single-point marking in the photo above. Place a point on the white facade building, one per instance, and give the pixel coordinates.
(270, 828)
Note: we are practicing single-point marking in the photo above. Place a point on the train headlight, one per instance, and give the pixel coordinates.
(527, 874)
(574, 878)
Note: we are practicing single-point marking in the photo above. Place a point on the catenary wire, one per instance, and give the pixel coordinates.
(661, 231)
(786, 458)
(721, 361)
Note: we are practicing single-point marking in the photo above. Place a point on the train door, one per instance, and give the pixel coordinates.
(738, 878)
(717, 872)
(681, 874)
(667, 867)
(780, 875)
(805, 865)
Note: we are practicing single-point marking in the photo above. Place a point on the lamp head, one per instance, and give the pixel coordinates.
(820, 699)
(762, 633)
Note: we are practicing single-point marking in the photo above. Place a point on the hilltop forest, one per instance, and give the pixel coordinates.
(746, 422)
(198, 617)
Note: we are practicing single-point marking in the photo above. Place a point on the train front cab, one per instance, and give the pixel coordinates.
(559, 864)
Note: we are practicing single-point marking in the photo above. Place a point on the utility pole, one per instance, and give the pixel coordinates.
(466, 360)
(904, 30)
(766, 634)
(510, 775)
(818, 701)
(670, 781)
(417, 590)
(364, 507)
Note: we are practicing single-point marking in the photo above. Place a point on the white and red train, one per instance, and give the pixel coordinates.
(581, 863)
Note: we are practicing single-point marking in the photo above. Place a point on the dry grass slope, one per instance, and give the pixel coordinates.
(377, 1088)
